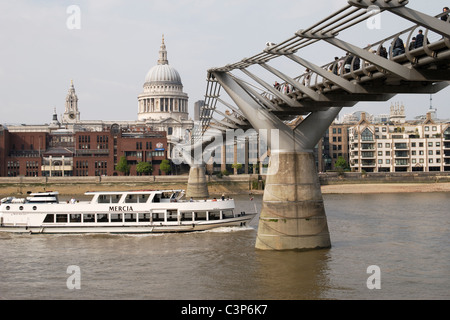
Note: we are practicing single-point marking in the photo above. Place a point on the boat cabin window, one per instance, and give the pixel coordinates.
(116, 217)
(130, 217)
(163, 197)
(144, 217)
(215, 215)
(227, 214)
(61, 218)
(201, 215)
(186, 216)
(167, 195)
(87, 217)
(49, 218)
(102, 217)
(137, 198)
(157, 216)
(109, 198)
(131, 198)
(75, 218)
(172, 215)
(157, 198)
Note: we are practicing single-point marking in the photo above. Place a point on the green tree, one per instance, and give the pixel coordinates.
(123, 166)
(341, 163)
(144, 168)
(165, 166)
(237, 167)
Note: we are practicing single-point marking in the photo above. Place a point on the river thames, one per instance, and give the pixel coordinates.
(405, 236)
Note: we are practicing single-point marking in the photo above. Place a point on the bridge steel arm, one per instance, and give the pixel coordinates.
(399, 8)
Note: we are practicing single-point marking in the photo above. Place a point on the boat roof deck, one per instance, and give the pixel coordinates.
(130, 192)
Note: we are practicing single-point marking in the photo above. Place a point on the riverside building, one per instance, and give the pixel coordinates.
(400, 146)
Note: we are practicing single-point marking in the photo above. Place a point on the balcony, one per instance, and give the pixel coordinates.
(401, 154)
(401, 163)
(368, 146)
(401, 146)
(368, 163)
(368, 155)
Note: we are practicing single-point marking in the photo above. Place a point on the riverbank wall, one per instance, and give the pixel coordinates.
(234, 184)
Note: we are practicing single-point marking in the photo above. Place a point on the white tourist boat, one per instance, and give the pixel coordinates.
(118, 212)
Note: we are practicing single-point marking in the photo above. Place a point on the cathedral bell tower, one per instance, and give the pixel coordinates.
(71, 113)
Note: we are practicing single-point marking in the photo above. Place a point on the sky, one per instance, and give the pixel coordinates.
(108, 46)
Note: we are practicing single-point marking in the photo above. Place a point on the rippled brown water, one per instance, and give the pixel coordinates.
(405, 235)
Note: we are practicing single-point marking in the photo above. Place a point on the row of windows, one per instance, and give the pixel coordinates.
(31, 173)
(400, 162)
(400, 154)
(134, 217)
(81, 173)
(101, 164)
(384, 129)
(32, 164)
(139, 154)
(82, 139)
(101, 172)
(85, 164)
(13, 147)
(82, 164)
(13, 165)
(148, 145)
(413, 145)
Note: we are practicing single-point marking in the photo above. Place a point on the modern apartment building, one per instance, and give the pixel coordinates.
(401, 146)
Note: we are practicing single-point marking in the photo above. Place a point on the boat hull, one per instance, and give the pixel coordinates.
(131, 229)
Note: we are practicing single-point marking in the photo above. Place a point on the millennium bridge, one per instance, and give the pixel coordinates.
(301, 107)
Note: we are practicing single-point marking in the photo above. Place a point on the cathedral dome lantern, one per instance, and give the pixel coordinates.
(163, 95)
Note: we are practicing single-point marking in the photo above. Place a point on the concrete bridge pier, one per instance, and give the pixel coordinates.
(293, 214)
(196, 154)
(197, 186)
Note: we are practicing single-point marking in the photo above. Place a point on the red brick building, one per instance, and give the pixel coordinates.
(81, 153)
